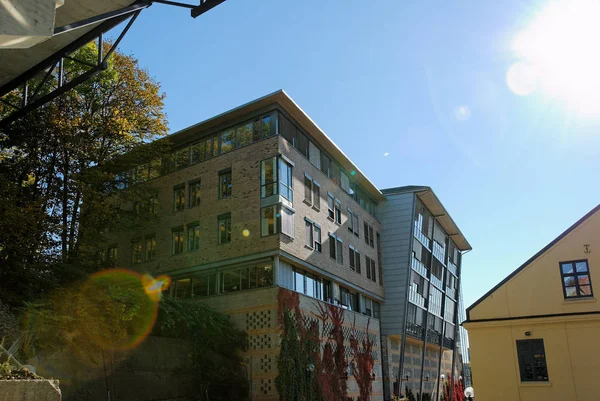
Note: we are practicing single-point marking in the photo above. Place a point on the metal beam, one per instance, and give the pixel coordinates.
(204, 6)
(102, 17)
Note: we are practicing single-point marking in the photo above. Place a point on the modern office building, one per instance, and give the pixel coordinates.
(534, 336)
(259, 199)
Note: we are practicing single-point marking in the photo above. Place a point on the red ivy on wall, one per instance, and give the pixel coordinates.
(362, 363)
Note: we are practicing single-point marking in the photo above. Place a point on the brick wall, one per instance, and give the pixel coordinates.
(244, 206)
(297, 246)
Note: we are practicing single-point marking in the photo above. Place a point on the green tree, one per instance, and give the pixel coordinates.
(58, 162)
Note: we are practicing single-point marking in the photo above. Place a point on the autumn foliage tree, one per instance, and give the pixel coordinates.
(52, 165)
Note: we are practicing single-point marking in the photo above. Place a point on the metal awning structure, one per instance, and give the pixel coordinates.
(77, 23)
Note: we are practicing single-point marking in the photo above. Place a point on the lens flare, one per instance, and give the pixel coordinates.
(246, 233)
(117, 308)
(155, 287)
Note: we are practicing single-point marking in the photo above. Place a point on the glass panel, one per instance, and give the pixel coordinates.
(310, 286)
(197, 152)
(581, 267)
(183, 288)
(244, 271)
(209, 148)
(299, 280)
(201, 285)
(224, 230)
(231, 280)
(225, 185)
(332, 247)
(252, 277)
(571, 291)
(268, 177)
(567, 268)
(285, 180)
(268, 223)
(582, 280)
(339, 252)
(569, 281)
(264, 275)
(227, 141)
(307, 189)
(585, 290)
(244, 135)
(266, 128)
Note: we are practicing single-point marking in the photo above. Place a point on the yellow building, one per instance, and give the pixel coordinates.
(536, 335)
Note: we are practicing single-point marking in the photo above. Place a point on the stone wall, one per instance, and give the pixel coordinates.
(29, 390)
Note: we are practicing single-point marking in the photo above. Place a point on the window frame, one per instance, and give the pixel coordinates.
(263, 178)
(308, 189)
(575, 274)
(226, 217)
(179, 195)
(229, 192)
(522, 363)
(330, 206)
(194, 193)
(182, 241)
(195, 226)
(277, 220)
(152, 239)
(338, 211)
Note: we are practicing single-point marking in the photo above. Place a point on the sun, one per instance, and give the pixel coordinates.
(558, 54)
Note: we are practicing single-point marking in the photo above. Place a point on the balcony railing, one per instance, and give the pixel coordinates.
(421, 237)
(433, 337)
(448, 343)
(414, 330)
(452, 268)
(419, 267)
(437, 282)
(439, 251)
(416, 298)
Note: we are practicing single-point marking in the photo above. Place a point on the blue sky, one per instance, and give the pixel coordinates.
(423, 81)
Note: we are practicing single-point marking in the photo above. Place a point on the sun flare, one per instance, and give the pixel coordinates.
(559, 52)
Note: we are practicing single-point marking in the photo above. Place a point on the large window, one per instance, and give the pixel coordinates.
(268, 177)
(224, 233)
(269, 220)
(225, 184)
(312, 235)
(246, 278)
(194, 190)
(193, 237)
(227, 141)
(113, 254)
(576, 279)
(178, 198)
(183, 288)
(204, 284)
(244, 134)
(309, 284)
(285, 180)
(532, 360)
(177, 240)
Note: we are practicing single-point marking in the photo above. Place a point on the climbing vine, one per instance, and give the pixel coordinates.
(313, 365)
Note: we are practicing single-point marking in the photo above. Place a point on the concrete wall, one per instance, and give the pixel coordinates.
(29, 390)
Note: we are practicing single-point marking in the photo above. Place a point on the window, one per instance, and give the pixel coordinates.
(269, 220)
(227, 141)
(348, 300)
(339, 250)
(350, 221)
(193, 237)
(532, 360)
(314, 155)
(379, 267)
(137, 251)
(370, 266)
(194, 193)
(224, 228)
(197, 152)
(309, 233)
(101, 256)
(150, 247)
(268, 177)
(246, 278)
(332, 246)
(244, 135)
(338, 212)
(178, 198)
(306, 283)
(369, 236)
(113, 254)
(225, 184)
(182, 158)
(183, 288)
(307, 189)
(576, 279)
(262, 129)
(204, 284)
(285, 180)
(316, 195)
(352, 257)
(330, 207)
(287, 221)
(178, 240)
(356, 226)
(357, 261)
(325, 164)
(301, 143)
(317, 236)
